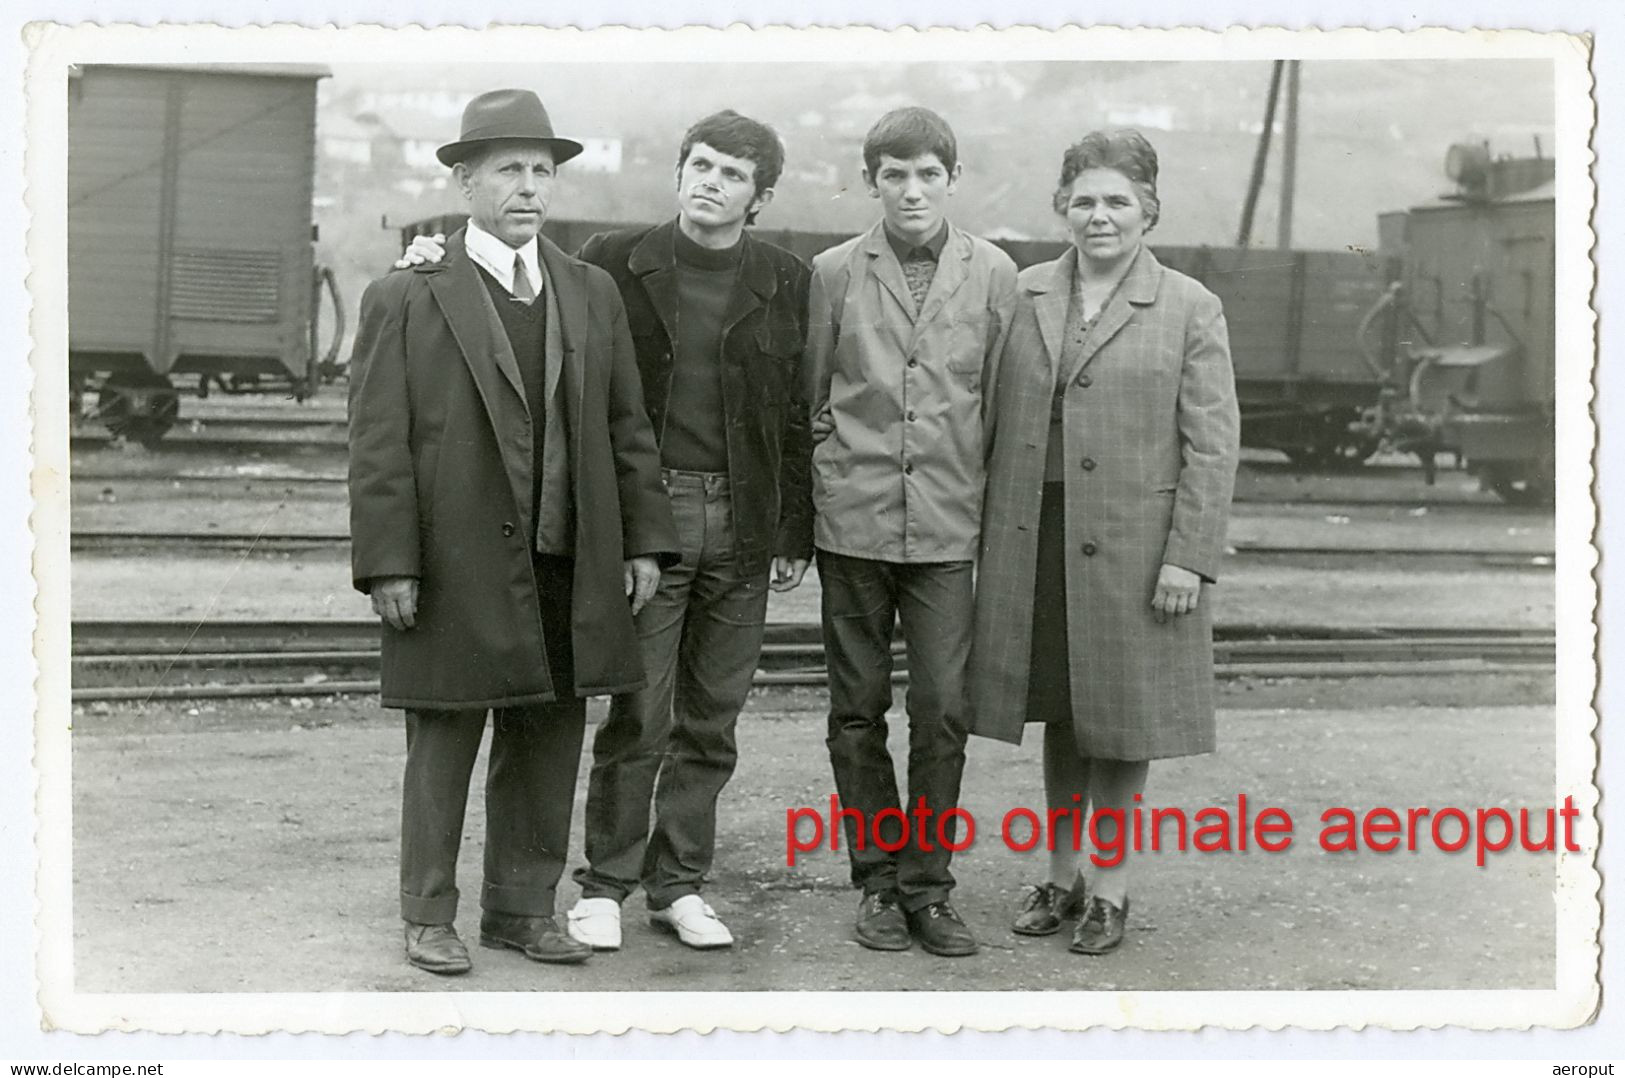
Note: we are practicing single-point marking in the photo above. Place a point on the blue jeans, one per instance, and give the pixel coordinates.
(673, 742)
(863, 601)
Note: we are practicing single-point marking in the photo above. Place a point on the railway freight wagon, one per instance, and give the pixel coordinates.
(190, 236)
(1469, 330)
(1295, 317)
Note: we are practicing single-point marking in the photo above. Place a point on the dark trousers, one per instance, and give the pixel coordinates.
(673, 742)
(529, 786)
(863, 601)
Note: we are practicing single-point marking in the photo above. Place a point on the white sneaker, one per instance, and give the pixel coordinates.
(596, 922)
(695, 923)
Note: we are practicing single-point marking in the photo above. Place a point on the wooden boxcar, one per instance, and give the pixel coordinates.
(190, 235)
(1304, 382)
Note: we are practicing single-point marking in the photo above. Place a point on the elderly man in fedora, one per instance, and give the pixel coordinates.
(508, 520)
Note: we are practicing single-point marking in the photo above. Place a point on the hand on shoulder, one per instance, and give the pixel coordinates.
(423, 249)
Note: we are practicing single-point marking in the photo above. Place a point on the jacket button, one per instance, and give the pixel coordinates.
(912, 362)
(1085, 381)
(507, 528)
(911, 415)
(1088, 464)
(908, 469)
(1089, 550)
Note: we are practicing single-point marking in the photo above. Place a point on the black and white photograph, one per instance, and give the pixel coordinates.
(587, 531)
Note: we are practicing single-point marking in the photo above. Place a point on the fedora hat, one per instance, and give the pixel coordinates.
(506, 114)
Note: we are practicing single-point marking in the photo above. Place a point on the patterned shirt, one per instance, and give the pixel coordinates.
(919, 261)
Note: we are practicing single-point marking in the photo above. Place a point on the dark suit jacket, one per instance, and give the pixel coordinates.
(441, 470)
(766, 415)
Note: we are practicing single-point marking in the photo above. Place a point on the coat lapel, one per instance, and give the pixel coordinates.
(884, 265)
(462, 296)
(569, 280)
(654, 260)
(466, 303)
(952, 270)
(1051, 294)
(759, 280)
(1139, 289)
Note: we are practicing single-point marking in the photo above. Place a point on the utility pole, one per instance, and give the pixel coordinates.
(1289, 157)
(1256, 183)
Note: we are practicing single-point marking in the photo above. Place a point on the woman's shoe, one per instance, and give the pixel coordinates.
(1101, 929)
(1044, 906)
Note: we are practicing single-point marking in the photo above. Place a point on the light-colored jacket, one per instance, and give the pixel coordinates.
(900, 478)
(1151, 433)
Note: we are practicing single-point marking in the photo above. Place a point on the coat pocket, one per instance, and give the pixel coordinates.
(967, 347)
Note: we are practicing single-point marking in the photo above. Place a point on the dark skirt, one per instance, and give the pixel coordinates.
(1049, 686)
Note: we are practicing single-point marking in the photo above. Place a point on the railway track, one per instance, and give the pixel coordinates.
(105, 540)
(187, 459)
(154, 660)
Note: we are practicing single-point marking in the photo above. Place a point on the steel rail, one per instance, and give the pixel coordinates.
(98, 539)
(792, 656)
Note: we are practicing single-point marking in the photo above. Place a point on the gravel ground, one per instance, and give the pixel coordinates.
(252, 848)
(317, 584)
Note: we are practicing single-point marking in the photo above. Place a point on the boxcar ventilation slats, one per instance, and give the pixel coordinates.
(226, 286)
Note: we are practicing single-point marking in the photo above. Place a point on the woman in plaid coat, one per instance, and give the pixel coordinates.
(1113, 451)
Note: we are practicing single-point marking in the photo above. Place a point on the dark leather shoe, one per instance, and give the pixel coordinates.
(1044, 906)
(1101, 929)
(539, 937)
(437, 949)
(881, 925)
(941, 932)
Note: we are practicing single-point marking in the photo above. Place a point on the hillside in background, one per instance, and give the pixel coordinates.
(1373, 135)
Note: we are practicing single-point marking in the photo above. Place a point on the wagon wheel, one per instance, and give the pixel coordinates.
(137, 409)
(1334, 447)
(1332, 456)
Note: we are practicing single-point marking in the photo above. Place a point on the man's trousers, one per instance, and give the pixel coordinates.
(529, 785)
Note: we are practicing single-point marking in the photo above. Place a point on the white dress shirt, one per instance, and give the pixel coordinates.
(496, 257)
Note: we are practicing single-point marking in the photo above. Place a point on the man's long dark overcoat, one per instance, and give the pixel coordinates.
(442, 473)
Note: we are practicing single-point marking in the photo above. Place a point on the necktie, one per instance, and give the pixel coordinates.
(523, 291)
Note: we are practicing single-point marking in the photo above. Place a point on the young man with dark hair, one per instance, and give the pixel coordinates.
(718, 320)
(907, 321)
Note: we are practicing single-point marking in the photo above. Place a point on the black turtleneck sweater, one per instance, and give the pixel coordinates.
(694, 438)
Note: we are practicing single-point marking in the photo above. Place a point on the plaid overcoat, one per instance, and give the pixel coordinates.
(1151, 433)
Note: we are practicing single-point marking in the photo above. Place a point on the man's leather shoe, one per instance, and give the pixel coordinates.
(1101, 929)
(437, 949)
(538, 937)
(941, 932)
(1044, 906)
(881, 925)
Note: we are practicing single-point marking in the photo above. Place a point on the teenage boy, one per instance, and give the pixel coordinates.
(719, 322)
(907, 323)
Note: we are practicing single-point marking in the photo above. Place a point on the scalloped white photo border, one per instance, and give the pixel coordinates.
(1571, 1002)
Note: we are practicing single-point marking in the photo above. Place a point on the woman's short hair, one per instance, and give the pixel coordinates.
(739, 136)
(1124, 150)
(907, 133)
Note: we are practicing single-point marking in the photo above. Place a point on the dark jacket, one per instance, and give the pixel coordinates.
(441, 466)
(763, 395)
